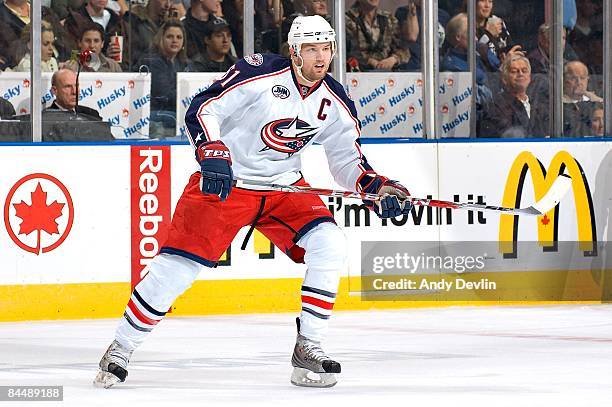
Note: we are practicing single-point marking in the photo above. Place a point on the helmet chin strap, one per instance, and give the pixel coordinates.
(300, 74)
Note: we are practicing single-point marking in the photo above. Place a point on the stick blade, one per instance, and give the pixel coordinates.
(555, 194)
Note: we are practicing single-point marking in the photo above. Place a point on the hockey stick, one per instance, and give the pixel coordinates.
(554, 195)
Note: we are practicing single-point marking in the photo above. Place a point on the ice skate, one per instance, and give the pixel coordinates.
(311, 366)
(113, 366)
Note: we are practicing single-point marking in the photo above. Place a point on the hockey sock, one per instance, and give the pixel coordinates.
(169, 276)
(325, 256)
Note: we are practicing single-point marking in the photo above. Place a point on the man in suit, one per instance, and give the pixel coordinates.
(578, 101)
(513, 112)
(64, 87)
(61, 120)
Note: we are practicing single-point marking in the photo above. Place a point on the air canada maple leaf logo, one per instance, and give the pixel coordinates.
(38, 213)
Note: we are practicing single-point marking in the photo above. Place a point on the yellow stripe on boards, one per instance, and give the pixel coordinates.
(205, 297)
(62, 301)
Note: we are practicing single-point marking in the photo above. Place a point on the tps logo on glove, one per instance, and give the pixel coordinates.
(210, 153)
(216, 169)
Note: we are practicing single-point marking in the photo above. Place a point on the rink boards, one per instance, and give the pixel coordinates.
(80, 223)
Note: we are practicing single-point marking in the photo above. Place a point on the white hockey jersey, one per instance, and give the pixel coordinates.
(258, 111)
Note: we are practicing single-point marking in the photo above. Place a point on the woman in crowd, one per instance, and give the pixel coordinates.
(597, 120)
(491, 30)
(48, 63)
(168, 58)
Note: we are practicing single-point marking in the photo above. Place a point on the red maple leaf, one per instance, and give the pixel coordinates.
(38, 216)
(545, 220)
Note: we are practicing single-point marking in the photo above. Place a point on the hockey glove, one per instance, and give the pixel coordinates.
(216, 168)
(394, 202)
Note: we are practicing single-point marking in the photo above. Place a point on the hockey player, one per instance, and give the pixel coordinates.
(253, 124)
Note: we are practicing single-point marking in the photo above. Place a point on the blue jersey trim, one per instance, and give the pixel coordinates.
(242, 71)
(311, 225)
(187, 255)
(339, 91)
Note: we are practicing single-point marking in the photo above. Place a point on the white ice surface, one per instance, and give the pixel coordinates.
(455, 357)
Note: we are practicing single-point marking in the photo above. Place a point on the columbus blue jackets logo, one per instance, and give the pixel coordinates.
(254, 59)
(287, 135)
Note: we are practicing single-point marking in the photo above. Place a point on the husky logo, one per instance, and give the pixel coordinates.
(280, 91)
(287, 135)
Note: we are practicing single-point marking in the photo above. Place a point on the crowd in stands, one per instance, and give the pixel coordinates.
(164, 37)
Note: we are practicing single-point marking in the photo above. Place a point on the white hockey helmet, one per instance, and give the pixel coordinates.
(310, 29)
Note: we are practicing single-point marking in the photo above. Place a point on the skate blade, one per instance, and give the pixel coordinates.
(105, 380)
(306, 378)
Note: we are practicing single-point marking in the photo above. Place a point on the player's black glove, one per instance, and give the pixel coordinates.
(216, 168)
(394, 202)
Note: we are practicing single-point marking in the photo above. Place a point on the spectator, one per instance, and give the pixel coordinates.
(578, 102)
(97, 12)
(48, 63)
(145, 21)
(373, 38)
(491, 30)
(585, 23)
(512, 114)
(576, 83)
(455, 59)
(168, 58)
(6, 109)
(539, 58)
(200, 12)
(92, 38)
(62, 8)
(318, 8)
(597, 120)
(14, 15)
(268, 19)
(233, 14)
(410, 20)
(118, 6)
(64, 44)
(587, 36)
(64, 87)
(218, 40)
(292, 7)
